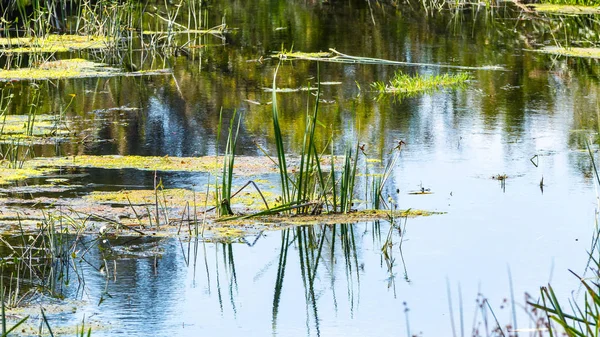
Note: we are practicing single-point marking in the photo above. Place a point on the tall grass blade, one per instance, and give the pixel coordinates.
(285, 185)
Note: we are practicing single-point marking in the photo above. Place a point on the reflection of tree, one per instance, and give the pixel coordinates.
(178, 114)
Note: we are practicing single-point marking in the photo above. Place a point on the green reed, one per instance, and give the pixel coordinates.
(283, 174)
(348, 179)
(309, 186)
(407, 85)
(224, 201)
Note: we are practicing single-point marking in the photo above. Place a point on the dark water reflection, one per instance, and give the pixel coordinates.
(456, 141)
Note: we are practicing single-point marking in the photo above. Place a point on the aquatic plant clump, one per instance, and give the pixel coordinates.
(405, 84)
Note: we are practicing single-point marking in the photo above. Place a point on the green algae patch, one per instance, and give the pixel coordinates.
(173, 197)
(572, 51)
(177, 198)
(71, 68)
(52, 43)
(243, 165)
(565, 9)
(8, 175)
(185, 31)
(335, 218)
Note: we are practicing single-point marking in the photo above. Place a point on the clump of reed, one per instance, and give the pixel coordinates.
(308, 189)
(311, 189)
(407, 85)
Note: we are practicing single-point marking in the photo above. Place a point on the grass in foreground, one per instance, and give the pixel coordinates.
(577, 318)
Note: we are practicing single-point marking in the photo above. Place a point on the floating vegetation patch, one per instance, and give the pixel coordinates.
(52, 43)
(175, 196)
(243, 165)
(407, 85)
(572, 51)
(337, 57)
(71, 68)
(8, 175)
(565, 9)
(284, 55)
(217, 31)
(500, 177)
(335, 218)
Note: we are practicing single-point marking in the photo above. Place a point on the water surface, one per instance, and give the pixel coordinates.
(457, 140)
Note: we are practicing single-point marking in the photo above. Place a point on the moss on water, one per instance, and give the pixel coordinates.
(572, 51)
(8, 175)
(335, 218)
(70, 68)
(52, 43)
(178, 198)
(174, 197)
(243, 165)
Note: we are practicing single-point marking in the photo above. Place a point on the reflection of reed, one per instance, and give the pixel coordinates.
(285, 244)
(310, 242)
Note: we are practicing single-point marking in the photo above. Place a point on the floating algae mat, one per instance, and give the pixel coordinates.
(573, 51)
(177, 198)
(71, 68)
(243, 165)
(8, 175)
(52, 43)
(565, 9)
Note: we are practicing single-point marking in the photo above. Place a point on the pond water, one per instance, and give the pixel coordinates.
(527, 118)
